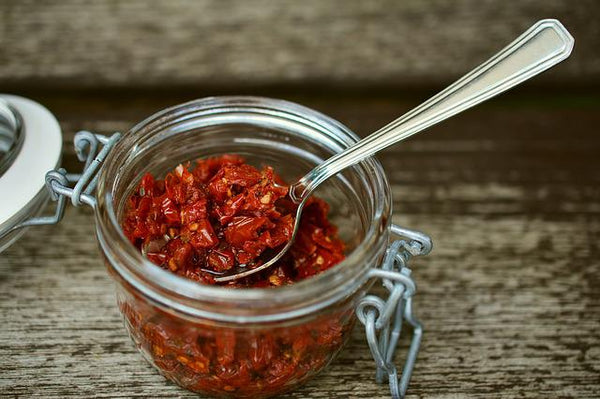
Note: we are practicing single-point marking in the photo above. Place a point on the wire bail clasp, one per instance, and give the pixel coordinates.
(383, 319)
(58, 181)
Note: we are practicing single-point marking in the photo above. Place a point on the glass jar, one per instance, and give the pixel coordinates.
(242, 342)
(254, 342)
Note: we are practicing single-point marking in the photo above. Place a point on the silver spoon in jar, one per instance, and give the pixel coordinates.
(542, 46)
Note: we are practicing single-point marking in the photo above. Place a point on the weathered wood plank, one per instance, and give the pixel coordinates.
(232, 43)
(509, 296)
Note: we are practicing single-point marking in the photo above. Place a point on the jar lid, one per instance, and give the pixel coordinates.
(30, 146)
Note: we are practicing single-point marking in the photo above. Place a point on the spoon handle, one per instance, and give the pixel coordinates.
(542, 46)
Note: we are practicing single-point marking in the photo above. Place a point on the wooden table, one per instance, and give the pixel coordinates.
(510, 296)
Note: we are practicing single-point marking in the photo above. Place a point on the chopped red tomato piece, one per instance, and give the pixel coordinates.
(224, 213)
(204, 220)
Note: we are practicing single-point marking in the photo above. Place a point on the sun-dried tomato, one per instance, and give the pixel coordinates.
(236, 362)
(204, 220)
(224, 213)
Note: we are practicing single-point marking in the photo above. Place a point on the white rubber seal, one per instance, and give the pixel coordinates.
(40, 152)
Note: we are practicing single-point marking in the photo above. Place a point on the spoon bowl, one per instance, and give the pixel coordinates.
(240, 272)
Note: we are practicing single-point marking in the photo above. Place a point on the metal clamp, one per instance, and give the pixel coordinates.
(383, 319)
(58, 182)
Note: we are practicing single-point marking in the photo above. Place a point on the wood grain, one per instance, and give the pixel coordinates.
(216, 43)
(509, 297)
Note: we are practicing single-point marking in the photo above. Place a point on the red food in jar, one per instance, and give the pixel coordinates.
(205, 220)
(202, 221)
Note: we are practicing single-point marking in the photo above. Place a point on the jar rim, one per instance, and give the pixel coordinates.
(184, 295)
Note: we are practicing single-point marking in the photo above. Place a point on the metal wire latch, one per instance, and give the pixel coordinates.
(383, 319)
(58, 182)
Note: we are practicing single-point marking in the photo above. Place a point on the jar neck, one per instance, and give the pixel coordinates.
(241, 305)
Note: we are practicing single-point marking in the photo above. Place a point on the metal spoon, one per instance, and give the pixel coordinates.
(542, 46)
